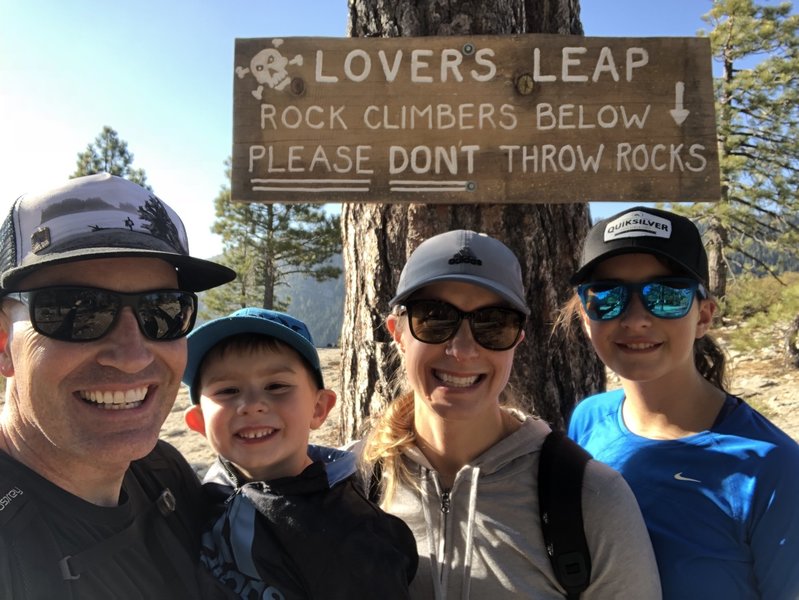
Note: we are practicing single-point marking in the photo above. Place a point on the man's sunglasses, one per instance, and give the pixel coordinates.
(435, 322)
(666, 298)
(83, 314)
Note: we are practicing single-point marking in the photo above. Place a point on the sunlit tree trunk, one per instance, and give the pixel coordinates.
(549, 374)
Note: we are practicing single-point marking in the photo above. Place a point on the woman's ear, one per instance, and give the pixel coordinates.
(393, 326)
(194, 418)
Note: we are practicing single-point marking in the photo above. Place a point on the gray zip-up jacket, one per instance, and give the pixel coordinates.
(482, 538)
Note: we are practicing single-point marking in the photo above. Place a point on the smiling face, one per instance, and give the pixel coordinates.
(257, 408)
(638, 346)
(457, 379)
(96, 404)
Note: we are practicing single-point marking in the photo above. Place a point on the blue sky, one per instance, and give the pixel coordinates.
(161, 74)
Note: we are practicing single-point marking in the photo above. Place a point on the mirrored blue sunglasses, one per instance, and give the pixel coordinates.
(664, 298)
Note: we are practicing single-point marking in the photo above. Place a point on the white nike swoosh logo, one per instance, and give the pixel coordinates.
(679, 477)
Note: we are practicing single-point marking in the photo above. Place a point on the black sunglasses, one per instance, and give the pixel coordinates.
(83, 314)
(435, 322)
(664, 298)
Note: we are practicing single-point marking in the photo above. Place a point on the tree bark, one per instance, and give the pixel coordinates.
(550, 374)
(717, 235)
(716, 239)
(269, 287)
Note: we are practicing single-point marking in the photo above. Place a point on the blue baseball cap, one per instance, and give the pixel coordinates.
(278, 325)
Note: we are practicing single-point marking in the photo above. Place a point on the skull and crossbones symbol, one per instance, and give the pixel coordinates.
(269, 67)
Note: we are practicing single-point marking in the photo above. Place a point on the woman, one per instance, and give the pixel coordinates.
(459, 468)
(716, 481)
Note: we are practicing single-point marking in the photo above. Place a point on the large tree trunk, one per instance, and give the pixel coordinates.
(549, 374)
(716, 240)
(269, 288)
(717, 234)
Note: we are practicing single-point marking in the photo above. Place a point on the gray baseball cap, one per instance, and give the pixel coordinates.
(466, 256)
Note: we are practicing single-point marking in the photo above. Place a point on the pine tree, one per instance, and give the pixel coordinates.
(756, 224)
(264, 244)
(109, 154)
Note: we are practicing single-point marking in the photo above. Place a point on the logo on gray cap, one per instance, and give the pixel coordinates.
(464, 255)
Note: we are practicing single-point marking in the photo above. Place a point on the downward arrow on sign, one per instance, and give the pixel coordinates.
(679, 113)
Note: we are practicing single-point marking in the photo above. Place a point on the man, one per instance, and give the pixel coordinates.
(96, 297)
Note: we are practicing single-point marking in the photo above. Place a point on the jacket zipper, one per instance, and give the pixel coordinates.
(445, 502)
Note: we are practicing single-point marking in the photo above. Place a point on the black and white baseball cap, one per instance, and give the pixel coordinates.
(98, 216)
(466, 256)
(647, 231)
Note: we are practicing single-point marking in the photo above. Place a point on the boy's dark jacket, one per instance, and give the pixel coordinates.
(311, 536)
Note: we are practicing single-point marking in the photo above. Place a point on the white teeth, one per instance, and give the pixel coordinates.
(640, 346)
(455, 381)
(115, 400)
(255, 435)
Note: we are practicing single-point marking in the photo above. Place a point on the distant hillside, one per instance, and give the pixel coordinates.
(319, 304)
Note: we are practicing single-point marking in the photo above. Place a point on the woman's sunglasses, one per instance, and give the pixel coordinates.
(435, 322)
(666, 298)
(83, 314)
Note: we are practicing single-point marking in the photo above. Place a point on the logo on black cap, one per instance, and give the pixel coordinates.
(638, 224)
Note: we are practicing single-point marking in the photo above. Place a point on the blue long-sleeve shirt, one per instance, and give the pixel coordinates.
(721, 506)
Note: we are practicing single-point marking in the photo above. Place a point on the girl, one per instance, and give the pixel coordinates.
(715, 480)
(460, 469)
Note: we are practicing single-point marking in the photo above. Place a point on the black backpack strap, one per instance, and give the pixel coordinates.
(72, 566)
(46, 571)
(31, 551)
(560, 488)
(169, 526)
(156, 475)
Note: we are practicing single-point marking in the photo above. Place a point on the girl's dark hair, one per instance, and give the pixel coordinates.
(710, 361)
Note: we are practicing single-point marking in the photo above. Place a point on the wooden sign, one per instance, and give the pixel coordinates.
(531, 118)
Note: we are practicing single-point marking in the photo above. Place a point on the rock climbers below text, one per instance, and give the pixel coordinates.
(465, 116)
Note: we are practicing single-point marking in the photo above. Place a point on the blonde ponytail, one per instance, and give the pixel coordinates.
(391, 434)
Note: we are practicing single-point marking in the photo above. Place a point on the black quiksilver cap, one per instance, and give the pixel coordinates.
(647, 231)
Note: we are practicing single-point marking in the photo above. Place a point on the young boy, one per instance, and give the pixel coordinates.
(290, 519)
